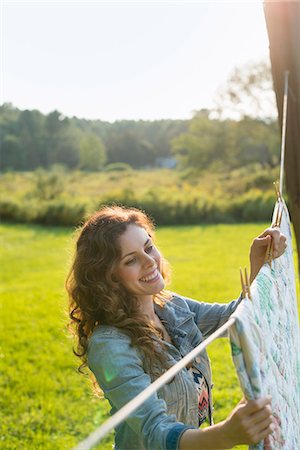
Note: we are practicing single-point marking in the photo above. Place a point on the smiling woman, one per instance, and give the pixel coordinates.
(111, 281)
(130, 330)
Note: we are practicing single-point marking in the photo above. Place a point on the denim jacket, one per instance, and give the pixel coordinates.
(118, 367)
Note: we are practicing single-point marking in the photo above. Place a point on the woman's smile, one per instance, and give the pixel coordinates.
(152, 278)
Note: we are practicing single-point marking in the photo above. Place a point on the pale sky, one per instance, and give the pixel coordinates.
(125, 60)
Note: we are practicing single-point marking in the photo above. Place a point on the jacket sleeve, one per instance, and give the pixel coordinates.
(119, 371)
(211, 316)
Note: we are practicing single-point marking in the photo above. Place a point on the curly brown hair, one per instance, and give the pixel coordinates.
(96, 298)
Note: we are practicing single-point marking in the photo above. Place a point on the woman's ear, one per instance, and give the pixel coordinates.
(113, 275)
(114, 278)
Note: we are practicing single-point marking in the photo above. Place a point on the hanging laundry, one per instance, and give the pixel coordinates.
(265, 344)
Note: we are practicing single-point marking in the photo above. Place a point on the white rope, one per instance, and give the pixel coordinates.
(283, 131)
(95, 437)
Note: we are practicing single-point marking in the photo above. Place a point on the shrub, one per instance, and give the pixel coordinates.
(255, 206)
(117, 167)
(48, 184)
(46, 213)
(61, 213)
(252, 206)
(8, 210)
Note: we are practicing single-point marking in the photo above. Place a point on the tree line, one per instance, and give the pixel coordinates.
(30, 139)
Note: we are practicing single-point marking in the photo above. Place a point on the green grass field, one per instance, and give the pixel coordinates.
(45, 403)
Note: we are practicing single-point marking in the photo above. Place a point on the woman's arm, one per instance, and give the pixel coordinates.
(249, 423)
(211, 316)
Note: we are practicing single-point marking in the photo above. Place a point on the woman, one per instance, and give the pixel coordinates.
(130, 330)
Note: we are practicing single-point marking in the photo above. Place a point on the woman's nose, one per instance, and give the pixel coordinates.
(149, 260)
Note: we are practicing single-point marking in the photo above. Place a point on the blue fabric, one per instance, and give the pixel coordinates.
(174, 435)
(119, 370)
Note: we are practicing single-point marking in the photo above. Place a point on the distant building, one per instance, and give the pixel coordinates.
(166, 163)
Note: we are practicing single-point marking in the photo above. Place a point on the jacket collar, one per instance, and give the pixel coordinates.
(175, 318)
(176, 315)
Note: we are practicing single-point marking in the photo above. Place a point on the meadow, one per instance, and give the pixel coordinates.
(61, 197)
(45, 403)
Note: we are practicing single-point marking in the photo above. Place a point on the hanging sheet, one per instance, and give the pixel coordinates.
(265, 344)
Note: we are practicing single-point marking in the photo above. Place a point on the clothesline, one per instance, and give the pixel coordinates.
(283, 128)
(95, 437)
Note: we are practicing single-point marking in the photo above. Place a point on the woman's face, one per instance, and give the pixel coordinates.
(138, 268)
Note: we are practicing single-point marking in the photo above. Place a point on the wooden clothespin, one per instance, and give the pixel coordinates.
(277, 191)
(278, 217)
(276, 223)
(245, 284)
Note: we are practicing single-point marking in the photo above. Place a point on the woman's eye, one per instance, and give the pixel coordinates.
(149, 249)
(130, 261)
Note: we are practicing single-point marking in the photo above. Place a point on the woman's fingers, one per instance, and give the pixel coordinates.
(279, 245)
(253, 406)
(265, 426)
(263, 434)
(264, 414)
(262, 241)
(267, 443)
(278, 241)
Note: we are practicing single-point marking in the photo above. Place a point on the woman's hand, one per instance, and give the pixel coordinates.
(249, 423)
(259, 247)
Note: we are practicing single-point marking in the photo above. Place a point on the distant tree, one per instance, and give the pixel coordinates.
(248, 96)
(139, 143)
(9, 116)
(227, 143)
(202, 144)
(12, 157)
(92, 154)
(126, 145)
(61, 140)
(160, 134)
(31, 132)
(257, 141)
(247, 92)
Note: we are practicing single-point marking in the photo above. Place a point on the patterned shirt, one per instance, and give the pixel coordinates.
(203, 396)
